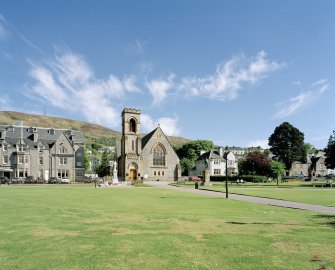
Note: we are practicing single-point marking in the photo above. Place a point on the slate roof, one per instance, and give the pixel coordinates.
(147, 137)
(212, 154)
(47, 138)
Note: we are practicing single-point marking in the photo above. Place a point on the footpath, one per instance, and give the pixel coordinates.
(258, 200)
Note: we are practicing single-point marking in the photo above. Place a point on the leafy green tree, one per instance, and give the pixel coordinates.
(86, 162)
(104, 167)
(309, 148)
(287, 144)
(189, 152)
(278, 169)
(186, 164)
(330, 152)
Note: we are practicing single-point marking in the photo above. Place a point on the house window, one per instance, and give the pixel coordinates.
(62, 173)
(79, 154)
(40, 173)
(217, 161)
(132, 125)
(154, 172)
(20, 159)
(40, 149)
(62, 160)
(78, 163)
(26, 159)
(217, 171)
(159, 173)
(5, 159)
(20, 172)
(163, 173)
(230, 162)
(158, 155)
(40, 160)
(5, 147)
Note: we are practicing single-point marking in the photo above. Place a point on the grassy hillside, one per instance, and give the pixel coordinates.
(90, 130)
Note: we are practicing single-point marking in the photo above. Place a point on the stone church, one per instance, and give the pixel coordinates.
(150, 157)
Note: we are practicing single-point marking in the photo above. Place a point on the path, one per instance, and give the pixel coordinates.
(258, 200)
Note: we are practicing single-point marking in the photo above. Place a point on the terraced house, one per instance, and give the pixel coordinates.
(40, 153)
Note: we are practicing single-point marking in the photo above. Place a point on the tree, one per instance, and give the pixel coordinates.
(189, 152)
(330, 152)
(104, 167)
(309, 148)
(255, 163)
(278, 169)
(287, 144)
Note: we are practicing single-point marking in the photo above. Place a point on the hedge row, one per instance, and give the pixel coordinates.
(246, 178)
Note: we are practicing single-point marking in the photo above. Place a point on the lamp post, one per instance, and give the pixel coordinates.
(226, 158)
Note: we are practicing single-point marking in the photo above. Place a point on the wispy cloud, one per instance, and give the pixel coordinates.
(159, 88)
(137, 46)
(230, 77)
(301, 101)
(69, 83)
(262, 143)
(169, 125)
(3, 32)
(5, 103)
(6, 27)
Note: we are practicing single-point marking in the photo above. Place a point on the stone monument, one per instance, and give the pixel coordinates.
(115, 180)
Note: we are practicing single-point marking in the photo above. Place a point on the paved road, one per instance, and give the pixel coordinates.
(258, 200)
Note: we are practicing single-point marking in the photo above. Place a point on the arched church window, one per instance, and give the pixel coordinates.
(132, 125)
(158, 155)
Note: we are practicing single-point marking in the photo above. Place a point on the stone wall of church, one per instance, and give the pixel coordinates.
(169, 172)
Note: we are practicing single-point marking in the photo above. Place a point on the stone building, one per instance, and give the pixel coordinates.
(314, 167)
(144, 158)
(40, 153)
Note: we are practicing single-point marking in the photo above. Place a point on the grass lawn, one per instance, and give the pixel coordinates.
(318, 196)
(62, 227)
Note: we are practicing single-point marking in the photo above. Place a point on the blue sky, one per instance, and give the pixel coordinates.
(227, 71)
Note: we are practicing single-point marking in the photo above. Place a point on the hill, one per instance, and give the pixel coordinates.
(90, 130)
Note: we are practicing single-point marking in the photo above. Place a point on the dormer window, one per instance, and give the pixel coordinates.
(21, 148)
(62, 149)
(132, 125)
(51, 131)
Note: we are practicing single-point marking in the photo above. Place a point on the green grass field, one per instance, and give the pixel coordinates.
(66, 227)
(325, 196)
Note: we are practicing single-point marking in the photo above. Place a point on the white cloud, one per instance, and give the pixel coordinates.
(229, 77)
(262, 143)
(169, 125)
(301, 101)
(68, 82)
(159, 88)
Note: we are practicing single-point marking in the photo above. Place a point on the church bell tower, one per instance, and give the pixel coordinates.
(131, 144)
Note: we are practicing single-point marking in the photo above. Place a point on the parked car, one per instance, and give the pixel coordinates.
(29, 179)
(65, 180)
(3, 180)
(52, 180)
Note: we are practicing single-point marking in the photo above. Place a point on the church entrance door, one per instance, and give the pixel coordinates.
(132, 174)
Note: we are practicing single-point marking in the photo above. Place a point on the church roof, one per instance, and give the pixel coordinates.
(147, 137)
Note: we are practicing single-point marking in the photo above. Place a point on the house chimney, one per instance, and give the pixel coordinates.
(35, 136)
(221, 151)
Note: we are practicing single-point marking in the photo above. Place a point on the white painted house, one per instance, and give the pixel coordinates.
(215, 163)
